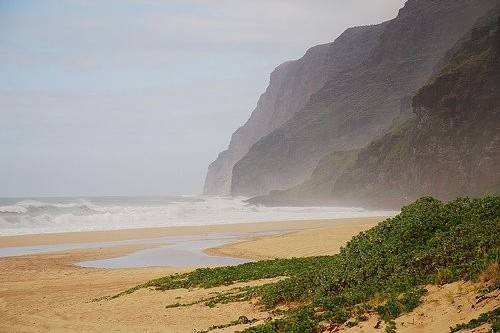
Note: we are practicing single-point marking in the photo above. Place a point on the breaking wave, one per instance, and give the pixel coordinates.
(34, 208)
(108, 213)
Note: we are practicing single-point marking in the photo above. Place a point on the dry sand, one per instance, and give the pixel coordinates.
(443, 307)
(47, 293)
(326, 240)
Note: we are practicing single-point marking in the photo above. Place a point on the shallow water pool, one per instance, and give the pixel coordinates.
(171, 251)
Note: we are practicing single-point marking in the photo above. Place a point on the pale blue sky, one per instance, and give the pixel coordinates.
(136, 97)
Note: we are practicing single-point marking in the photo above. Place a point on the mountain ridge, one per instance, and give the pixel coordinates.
(291, 84)
(451, 148)
(358, 105)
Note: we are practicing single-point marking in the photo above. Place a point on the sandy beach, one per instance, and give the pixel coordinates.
(47, 292)
(320, 241)
(143, 233)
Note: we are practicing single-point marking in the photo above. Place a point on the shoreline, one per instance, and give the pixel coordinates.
(47, 292)
(149, 233)
(320, 241)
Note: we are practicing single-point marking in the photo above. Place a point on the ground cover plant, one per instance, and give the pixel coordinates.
(492, 317)
(429, 242)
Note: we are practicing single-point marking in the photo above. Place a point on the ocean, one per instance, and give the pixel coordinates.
(48, 215)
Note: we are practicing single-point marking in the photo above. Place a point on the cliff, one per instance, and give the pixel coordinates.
(357, 105)
(290, 87)
(316, 190)
(452, 148)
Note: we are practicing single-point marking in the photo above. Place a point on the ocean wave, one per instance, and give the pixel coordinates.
(34, 207)
(14, 209)
(32, 216)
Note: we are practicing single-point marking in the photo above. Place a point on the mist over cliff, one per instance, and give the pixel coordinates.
(450, 148)
(291, 85)
(339, 97)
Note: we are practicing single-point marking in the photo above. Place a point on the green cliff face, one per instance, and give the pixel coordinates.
(290, 87)
(452, 148)
(356, 106)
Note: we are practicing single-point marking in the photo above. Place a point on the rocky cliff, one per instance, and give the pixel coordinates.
(452, 148)
(359, 104)
(290, 87)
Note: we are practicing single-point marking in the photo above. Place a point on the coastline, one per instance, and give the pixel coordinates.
(48, 292)
(319, 241)
(148, 233)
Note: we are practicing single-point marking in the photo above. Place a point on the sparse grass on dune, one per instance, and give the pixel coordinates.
(428, 242)
(492, 317)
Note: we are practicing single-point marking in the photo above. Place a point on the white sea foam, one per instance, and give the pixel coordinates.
(17, 209)
(63, 215)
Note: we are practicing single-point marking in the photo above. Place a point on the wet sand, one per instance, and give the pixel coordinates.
(48, 293)
(129, 234)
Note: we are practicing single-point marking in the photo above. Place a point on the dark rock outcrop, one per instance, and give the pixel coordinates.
(290, 87)
(359, 104)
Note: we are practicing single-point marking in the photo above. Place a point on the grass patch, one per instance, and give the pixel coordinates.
(241, 320)
(492, 317)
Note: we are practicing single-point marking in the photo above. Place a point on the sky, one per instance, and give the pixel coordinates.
(137, 97)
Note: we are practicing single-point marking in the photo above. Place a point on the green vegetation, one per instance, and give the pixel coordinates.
(428, 242)
(241, 320)
(492, 317)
